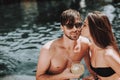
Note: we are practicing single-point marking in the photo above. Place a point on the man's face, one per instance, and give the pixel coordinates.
(73, 31)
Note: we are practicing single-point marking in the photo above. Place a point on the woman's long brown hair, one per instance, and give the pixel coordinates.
(101, 30)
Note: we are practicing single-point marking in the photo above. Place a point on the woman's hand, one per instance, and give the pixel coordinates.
(90, 78)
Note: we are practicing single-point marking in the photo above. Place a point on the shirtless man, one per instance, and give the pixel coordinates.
(57, 55)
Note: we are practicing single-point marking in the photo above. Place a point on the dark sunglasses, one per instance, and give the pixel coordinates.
(77, 25)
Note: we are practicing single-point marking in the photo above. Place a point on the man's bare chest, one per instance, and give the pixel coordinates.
(63, 59)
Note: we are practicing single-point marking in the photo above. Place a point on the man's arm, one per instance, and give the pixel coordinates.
(43, 64)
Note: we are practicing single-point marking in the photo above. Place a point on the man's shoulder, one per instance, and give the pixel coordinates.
(83, 39)
(48, 44)
(45, 49)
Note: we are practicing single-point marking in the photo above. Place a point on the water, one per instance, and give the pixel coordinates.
(23, 31)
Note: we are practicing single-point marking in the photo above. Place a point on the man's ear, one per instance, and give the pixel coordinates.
(62, 28)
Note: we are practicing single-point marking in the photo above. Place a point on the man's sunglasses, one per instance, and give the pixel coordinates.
(77, 25)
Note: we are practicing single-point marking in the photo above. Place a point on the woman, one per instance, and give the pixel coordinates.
(104, 54)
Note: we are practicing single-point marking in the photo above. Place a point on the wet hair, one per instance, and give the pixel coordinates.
(101, 30)
(69, 16)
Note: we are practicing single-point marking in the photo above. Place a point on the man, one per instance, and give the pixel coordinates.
(57, 55)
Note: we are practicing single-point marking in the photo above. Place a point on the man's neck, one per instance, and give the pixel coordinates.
(68, 43)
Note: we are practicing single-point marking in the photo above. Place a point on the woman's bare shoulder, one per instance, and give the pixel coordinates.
(110, 51)
(111, 55)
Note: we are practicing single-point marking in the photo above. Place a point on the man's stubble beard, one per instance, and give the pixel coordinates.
(73, 37)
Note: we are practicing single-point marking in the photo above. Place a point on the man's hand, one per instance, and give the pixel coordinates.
(91, 78)
(68, 75)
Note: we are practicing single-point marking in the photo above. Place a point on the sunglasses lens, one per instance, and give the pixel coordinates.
(77, 25)
(70, 26)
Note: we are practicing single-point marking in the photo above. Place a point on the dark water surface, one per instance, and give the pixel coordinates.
(26, 26)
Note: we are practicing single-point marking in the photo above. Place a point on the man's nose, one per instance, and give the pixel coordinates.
(74, 27)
